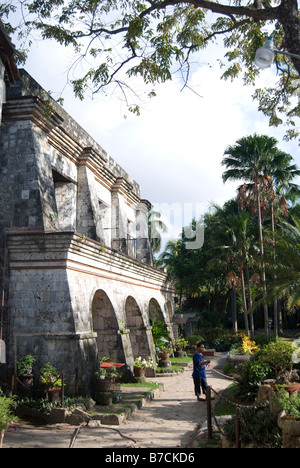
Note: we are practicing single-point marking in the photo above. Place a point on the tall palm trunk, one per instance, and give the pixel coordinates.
(276, 331)
(263, 268)
(233, 308)
(250, 302)
(244, 299)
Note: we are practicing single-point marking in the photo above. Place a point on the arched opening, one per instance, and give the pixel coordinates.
(138, 333)
(155, 311)
(105, 324)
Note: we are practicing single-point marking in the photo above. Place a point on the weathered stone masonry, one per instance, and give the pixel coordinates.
(80, 281)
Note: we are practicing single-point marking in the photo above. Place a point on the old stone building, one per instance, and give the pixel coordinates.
(76, 264)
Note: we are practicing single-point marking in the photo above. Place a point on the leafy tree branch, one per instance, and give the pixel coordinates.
(121, 40)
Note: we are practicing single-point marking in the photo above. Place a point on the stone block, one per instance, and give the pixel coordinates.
(57, 416)
(112, 419)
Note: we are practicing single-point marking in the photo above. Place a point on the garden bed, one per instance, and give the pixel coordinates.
(169, 371)
(133, 397)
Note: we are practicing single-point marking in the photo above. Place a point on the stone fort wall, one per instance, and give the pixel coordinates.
(79, 277)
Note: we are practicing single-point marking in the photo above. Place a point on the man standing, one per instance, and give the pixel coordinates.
(199, 372)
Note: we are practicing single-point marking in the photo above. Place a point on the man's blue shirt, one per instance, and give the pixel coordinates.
(199, 371)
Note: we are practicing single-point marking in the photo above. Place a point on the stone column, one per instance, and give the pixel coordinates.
(119, 215)
(143, 247)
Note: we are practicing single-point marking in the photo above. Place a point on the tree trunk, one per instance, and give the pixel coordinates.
(274, 247)
(233, 306)
(252, 328)
(244, 300)
(261, 242)
(289, 18)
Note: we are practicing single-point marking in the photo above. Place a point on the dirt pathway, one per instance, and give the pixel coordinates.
(169, 421)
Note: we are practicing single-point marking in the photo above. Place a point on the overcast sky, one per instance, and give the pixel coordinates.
(175, 147)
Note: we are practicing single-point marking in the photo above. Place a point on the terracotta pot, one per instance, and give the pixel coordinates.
(139, 371)
(179, 353)
(53, 394)
(164, 356)
(293, 387)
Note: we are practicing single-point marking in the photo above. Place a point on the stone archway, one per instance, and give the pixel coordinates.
(155, 311)
(105, 324)
(138, 332)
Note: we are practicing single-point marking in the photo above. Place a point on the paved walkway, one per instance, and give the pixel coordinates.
(169, 421)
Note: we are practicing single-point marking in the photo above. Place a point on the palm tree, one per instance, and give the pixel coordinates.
(286, 268)
(155, 227)
(279, 188)
(234, 240)
(255, 160)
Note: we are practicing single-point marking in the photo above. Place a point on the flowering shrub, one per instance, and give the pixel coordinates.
(139, 362)
(248, 346)
(296, 353)
(244, 346)
(107, 373)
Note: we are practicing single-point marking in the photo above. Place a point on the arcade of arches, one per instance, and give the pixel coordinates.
(124, 339)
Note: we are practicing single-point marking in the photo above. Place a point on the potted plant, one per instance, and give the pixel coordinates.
(25, 365)
(140, 365)
(279, 355)
(50, 382)
(289, 418)
(243, 350)
(164, 352)
(161, 336)
(6, 415)
(104, 375)
(25, 373)
(194, 339)
(103, 380)
(179, 345)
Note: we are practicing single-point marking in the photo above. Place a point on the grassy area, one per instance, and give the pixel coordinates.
(131, 393)
(166, 370)
(186, 359)
(175, 365)
(150, 385)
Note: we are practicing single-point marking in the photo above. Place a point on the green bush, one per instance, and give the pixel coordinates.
(253, 373)
(278, 355)
(289, 403)
(220, 339)
(43, 404)
(7, 406)
(256, 372)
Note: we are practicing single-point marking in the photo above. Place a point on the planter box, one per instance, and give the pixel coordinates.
(238, 358)
(209, 352)
(290, 431)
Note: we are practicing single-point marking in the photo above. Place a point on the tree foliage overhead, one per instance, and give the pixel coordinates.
(152, 39)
